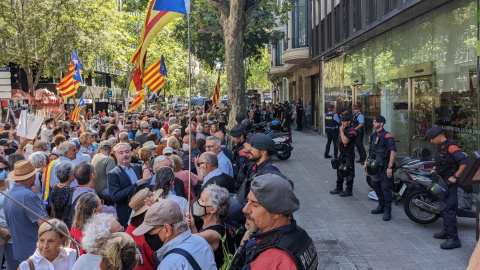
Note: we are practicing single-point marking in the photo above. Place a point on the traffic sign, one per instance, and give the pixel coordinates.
(110, 93)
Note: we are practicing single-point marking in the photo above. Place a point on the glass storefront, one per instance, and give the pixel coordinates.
(419, 74)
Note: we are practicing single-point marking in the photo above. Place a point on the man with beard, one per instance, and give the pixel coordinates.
(240, 157)
(274, 240)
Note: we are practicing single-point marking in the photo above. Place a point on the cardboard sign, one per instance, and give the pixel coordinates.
(29, 125)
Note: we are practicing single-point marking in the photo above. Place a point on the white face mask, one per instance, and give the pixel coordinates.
(51, 126)
(186, 146)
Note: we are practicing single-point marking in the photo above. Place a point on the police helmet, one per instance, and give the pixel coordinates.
(344, 169)
(374, 167)
(436, 192)
(246, 124)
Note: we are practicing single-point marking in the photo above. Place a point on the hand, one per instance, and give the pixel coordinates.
(190, 221)
(365, 166)
(5, 234)
(452, 180)
(144, 181)
(342, 128)
(150, 201)
(389, 173)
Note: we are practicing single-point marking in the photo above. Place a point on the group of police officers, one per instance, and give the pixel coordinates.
(346, 131)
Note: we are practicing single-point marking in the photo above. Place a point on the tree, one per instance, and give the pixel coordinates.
(40, 35)
(257, 70)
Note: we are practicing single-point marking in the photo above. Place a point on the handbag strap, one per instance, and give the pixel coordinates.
(187, 256)
(30, 264)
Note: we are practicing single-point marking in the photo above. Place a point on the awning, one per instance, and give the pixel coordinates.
(45, 97)
(20, 94)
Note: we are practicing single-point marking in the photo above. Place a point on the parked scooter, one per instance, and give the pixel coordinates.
(424, 203)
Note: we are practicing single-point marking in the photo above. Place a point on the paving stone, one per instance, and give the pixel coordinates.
(347, 236)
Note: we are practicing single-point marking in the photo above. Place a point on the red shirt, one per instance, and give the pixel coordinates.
(273, 258)
(78, 235)
(147, 255)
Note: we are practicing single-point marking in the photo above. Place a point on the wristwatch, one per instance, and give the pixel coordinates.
(390, 167)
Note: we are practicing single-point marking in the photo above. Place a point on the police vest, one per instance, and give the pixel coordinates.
(445, 163)
(347, 148)
(378, 145)
(296, 243)
(356, 123)
(330, 122)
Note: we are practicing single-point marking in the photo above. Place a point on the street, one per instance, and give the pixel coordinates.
(347, 235)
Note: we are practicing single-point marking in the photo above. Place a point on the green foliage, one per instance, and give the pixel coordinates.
(256, 71)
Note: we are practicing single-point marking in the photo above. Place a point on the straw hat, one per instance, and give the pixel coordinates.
(22, 170)
(137, 203)
(149, 145)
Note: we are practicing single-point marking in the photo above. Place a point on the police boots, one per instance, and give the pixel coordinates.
(451, 243)
(336, 191)
(346, 193)
(378, 210)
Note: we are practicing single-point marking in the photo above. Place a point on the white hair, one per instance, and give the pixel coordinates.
(180, 226)
(199, 129)
(213, 138)
(38, 159)
(162, 158)
(144, 125)
(64, 148)
(120, 145)
(96, 230)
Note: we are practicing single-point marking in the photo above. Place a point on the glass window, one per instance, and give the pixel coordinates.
(279, 52)
(300, 24)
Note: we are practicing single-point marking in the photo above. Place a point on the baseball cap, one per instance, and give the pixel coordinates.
(262, 142)
(237, 131)
(331, 106)
(177, 131)
(168, 150)
(380, 119)
(434, 132)
(160, 213)
(105, 145)
(275, 194)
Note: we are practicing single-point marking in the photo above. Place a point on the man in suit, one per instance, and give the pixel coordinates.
(208, 169)
(124, 181)
(178, 186)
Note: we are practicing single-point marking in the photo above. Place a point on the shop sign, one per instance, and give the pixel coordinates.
(5, 83)
(88, 100)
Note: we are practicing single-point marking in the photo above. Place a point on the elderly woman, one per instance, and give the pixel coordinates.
(147, 156)
(53, 156)
(182, 174)
(139, 208)
(173, 143)
(61, 195)
(87, 205)
(39, 161)
(52, 251)
(5, 238)
(119, 252)
(213, 208)
(58, 139)
(86, 140)
(164, 179)
(97, 229)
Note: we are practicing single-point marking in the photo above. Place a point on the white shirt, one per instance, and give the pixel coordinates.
(182, 202)
(81, 158)
(65, 260)
(46, 134)
(3, 222)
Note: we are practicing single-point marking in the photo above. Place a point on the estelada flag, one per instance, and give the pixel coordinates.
(76, 112)
(160, 13)
(156, 75)
(139, 99)
(73, 79)
(216, 93)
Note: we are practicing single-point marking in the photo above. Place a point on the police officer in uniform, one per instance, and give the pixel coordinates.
(286, 117)
(382, 150)
(332, 122)
(450, 162)
(273, 239)
(346, 146)
(240, 157)
(299, 109)
(358, 124)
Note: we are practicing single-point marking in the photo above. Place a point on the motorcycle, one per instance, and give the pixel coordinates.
(420, 208)
(283, 147)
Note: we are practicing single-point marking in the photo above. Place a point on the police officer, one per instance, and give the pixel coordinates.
(450, 162)
(273, 240)
(358, 124)
(346, 146)
(240, 157)
(286, 117)
(382, 149)
(331, 127)
(299, 110)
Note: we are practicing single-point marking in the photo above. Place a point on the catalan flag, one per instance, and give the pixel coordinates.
(156, 75)
(160, 13)
(47, 175)
(216, 93)
(73, 79)
(139, 99)
(76, 112)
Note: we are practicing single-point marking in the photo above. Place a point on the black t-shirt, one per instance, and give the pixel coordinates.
(220, 229)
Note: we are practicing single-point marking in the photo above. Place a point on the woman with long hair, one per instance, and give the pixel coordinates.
(87, 205)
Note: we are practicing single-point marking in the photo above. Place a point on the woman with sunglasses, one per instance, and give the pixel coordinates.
(5, 239)
(147, 156)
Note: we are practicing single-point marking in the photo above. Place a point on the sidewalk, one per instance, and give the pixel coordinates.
(346, 235)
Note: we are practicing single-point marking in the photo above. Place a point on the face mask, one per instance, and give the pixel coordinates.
(3, 175)
(51, 126)
(153, 241)
(186, 147)
(199, 210)
(151, 161)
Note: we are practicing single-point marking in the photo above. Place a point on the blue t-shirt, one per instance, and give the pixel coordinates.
(23, 224)
(156, 130)
(361, 119)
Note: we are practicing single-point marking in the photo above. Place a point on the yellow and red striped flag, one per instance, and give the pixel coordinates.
(73, 79)
(139, 99)
(76, 112)
(216, 94)
(156, 75)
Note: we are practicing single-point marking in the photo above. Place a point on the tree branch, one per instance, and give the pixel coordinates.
(221, 5)
(250, 7)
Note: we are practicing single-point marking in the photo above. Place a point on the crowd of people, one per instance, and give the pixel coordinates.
(152, 190)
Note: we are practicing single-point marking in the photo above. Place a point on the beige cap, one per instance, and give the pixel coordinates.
(159, 214)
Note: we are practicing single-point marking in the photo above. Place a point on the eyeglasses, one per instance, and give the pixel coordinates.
(200, 163)
(209, 146)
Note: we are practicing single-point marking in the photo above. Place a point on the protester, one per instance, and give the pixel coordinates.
(103, 164)
(214, 145)
(183, 175)
(167, 231)
(147, 155)
(119, 252)
(39, 161)
(52, 248)
(6, 247)
(61, 193)
(164, 179)
(210, 173)
(87, 205)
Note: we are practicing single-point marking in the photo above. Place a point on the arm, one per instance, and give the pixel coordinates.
(453, 179)
(116, 192)
(393, 154)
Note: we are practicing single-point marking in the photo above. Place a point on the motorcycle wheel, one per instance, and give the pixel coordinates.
(415, 213)
(286, 155)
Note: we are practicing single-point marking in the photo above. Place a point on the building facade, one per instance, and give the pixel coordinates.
(412, 61)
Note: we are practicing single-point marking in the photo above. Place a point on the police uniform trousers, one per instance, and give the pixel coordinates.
(350, 157)
(332, 136)
(359, 145)
(299, 122)
(383, 189)
(449, 214)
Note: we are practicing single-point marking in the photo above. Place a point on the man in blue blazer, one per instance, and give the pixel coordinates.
(124, 181)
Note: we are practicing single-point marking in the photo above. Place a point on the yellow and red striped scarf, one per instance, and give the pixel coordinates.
(46, 184)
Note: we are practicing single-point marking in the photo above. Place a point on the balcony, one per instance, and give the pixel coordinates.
(296, 56)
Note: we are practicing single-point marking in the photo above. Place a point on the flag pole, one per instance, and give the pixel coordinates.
(189, 111)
